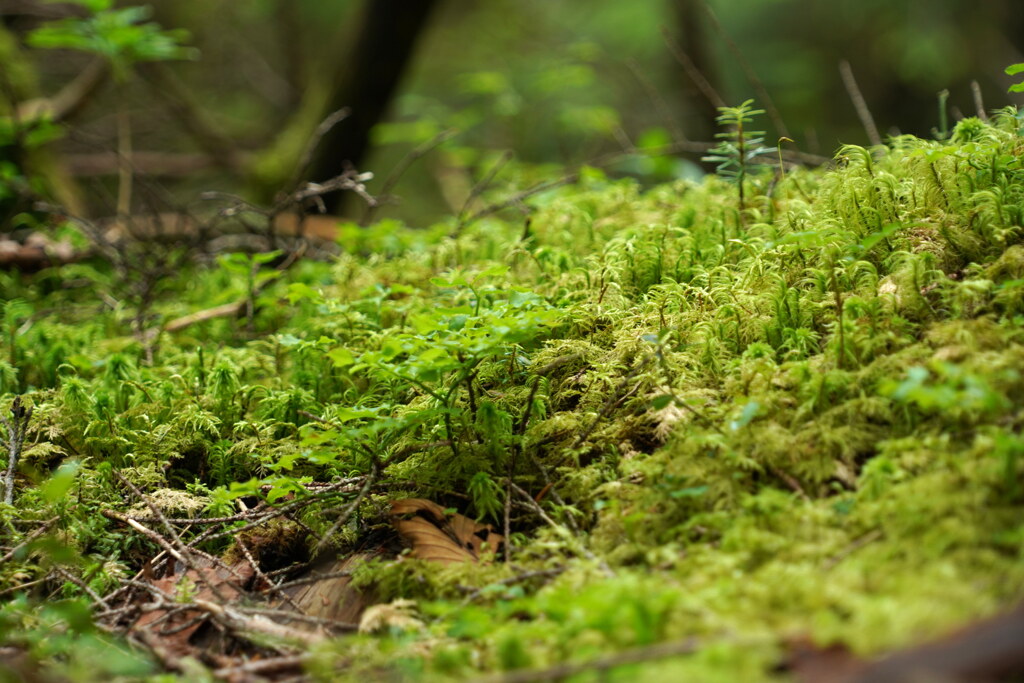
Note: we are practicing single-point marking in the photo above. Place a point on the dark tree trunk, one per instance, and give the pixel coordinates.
(371, 76)
(691, 33)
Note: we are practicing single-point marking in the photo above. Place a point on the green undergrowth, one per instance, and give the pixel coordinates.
(793, 415)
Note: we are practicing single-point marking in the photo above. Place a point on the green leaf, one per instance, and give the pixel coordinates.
(748, 413)
(874, 238)
(660, 402)
(341, 357)
(288, 339)
(349, 414)
(300, 291)
(58, 485)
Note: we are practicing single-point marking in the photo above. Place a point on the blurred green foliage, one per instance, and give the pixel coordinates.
(564, 83)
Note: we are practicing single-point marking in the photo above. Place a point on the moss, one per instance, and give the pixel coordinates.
(807, 427)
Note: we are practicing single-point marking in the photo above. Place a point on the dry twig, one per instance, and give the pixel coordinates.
(859, 103)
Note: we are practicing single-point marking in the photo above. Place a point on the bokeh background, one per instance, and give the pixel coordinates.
(528, 88)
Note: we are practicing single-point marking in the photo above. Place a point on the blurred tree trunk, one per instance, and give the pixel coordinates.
(691, 34)
(368, 81)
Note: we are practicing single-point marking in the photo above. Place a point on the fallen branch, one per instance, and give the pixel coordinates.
(241, 623)
(274, 665)
(17, 428)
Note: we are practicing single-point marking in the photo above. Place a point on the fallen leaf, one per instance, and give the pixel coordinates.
(439, 537)
(174, 632)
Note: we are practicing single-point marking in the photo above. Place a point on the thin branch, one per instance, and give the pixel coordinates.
(312, 578)
(483, 183)
(979, 104)
(263, 577)
(85, 587)
(399, 170)
(748, 71)
(333, 119)
(518, 578)
(31, 537)
(221, 150)
(262, 667)
(71, 99)
(692, 71)
(237, 620)
(859, 103)
(574, 541)
(347, 512)
(17, 428)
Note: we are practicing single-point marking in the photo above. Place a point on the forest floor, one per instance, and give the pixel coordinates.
(672, 434)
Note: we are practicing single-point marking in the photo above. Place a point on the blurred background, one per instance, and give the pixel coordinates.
(467, 93)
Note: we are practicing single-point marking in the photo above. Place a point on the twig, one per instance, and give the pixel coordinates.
(71, 99)
(518, 578)
(273, 665)
(347, 512)
(692, 71)
(332, 119)
(249, 514)
(791, 481)
(341, 486)
(147, 532)
(84, 586)
(979, 104)
(399, 170)
(300, 617)
(859, 103)
(220, 149)
(616, 400)
(31, 537)
(677, 147)
(520, 430)
(562, 531)
(263, 577)
(520, 196)
(748, 71)
(153, 507)
(17, 428)
(312, 578)
(23, 586)
(482, 184)
(238, 621)
(233, 309)
(166, 659)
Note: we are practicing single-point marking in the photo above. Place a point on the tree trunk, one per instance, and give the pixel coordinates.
(691, 32)
(386, 42)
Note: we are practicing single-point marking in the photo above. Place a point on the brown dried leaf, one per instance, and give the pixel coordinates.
(331, 598)
(201, 583)
(440, 537)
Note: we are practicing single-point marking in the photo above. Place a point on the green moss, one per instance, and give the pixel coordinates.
(801, 423)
